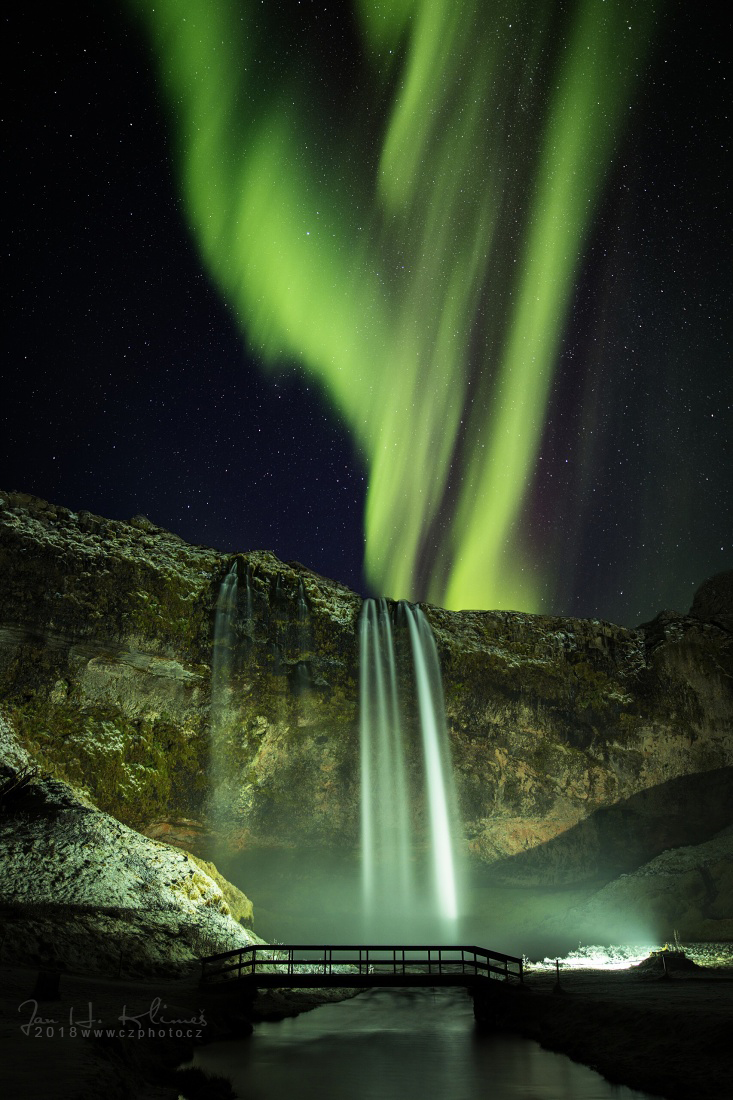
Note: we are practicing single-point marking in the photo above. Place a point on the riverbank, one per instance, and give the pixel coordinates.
(666, 1036)
(78, 1044)
(119, 1038)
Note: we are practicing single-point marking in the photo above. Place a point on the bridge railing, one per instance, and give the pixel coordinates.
(332, 961)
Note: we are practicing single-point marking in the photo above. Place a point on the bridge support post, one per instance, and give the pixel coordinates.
(487, 1006)
(496, 1005)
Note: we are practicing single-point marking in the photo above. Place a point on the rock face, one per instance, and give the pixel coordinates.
(105, 650)
(581, 749)
(79, 890)
(688, 889)
(587, 745)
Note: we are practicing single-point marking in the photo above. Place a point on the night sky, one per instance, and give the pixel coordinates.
(533, 376)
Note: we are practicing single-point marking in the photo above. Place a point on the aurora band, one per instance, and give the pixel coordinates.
(420, 267)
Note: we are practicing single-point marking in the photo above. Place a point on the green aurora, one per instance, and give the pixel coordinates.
(411, 243)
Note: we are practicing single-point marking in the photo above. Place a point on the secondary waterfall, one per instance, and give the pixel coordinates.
(221, 662)
(221, 675)
(302, 678)
(248, 593)
(391, 886)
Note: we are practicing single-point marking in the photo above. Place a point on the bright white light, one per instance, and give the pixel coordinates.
(596, 957)
(623, 956)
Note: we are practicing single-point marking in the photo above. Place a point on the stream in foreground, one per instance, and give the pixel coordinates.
(399, 1045)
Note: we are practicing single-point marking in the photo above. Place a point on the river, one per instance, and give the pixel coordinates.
(410, 1044)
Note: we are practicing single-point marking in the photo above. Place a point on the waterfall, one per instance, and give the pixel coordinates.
(221, 677)
(303, 623)
(386, 872)
(302, 603)
(438, 768)
(248, 593)
(389, 882)
(221, 662)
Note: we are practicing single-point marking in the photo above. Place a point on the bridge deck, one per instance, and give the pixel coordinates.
(353, 967)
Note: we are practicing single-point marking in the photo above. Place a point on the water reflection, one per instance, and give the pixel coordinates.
(406, 1045)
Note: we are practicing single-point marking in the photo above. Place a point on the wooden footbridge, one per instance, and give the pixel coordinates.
(268, 966)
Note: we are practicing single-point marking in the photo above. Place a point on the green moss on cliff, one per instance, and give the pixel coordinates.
(173, 611)
(138, 770)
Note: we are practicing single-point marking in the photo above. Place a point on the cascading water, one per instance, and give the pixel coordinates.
(221, 663)
(302, 677)
(221, 678)
(386, 871)
(438, 767)
(248, 594)
(302, 607)
(392, 894)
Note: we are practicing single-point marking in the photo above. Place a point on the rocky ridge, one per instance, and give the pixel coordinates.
(582, 749)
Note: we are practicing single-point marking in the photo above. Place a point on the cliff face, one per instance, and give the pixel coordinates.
(579, 746)
(587, 744)
(106, 635)
(81, 891)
